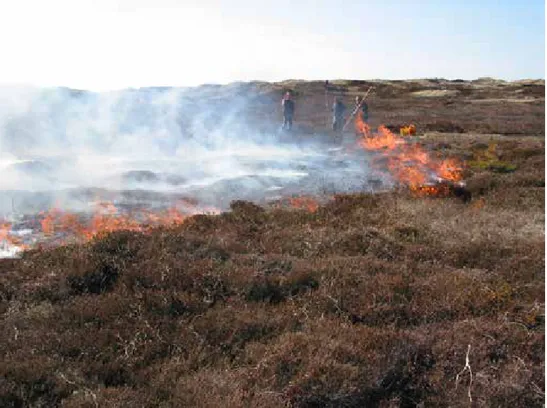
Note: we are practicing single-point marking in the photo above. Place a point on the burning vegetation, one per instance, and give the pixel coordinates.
(356, 300)
(107, 218)
(59, 227)
(365, 300)
(410, 164)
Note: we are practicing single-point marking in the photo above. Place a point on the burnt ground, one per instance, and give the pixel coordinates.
(371, 300)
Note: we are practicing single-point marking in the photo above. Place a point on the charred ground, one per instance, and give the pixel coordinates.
(371, 300)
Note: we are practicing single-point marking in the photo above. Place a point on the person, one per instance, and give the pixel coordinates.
(363, 111)
(362, 128)
(288, 110)
(338, 109)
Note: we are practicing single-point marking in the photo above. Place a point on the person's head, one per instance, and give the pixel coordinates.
(287, 95)
(338, 99)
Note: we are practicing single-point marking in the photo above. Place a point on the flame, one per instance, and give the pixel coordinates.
(450, 169)
(5, 228)
(60, 227)
(7, 237)
(430, 190)
(383, 140)
(48, 222)
(409, 130)
(304, 203)
(408, 163)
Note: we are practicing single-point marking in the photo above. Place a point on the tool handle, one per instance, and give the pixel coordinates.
(357, 108)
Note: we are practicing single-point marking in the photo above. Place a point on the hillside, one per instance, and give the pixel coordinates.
(484, 106)
(365, 299)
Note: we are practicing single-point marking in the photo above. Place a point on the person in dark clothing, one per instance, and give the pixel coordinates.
(288, 111)
(363, 109)
(338, 109)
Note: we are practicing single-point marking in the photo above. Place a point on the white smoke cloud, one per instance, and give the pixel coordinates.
(187, 141)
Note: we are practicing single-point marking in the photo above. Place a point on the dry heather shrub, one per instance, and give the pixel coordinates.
(361, 297)
(372, 300)
(333, 364)
(115, 397)
(211, 388)
(497, 348)
(278, 289)
(227, 332)
(30, 381)
(450, 294)
(361, 242)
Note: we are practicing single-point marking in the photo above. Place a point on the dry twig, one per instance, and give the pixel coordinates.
(467, 367)
(87, 390)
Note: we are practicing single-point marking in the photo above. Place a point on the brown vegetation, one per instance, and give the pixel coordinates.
(433, 105)
(370, 300)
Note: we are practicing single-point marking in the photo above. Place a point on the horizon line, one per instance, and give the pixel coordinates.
(482, 78)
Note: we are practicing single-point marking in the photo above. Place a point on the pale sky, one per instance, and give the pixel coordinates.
(114, 44)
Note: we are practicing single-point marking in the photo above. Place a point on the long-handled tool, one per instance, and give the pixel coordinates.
(357, 108)
(327, 101)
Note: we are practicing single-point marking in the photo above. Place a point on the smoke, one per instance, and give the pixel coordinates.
(62, 147)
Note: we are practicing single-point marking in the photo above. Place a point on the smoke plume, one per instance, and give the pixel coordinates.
(63, 147)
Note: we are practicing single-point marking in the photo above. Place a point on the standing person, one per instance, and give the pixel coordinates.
(338, 109)
(288, 110)
(327, 99)
(363, 110)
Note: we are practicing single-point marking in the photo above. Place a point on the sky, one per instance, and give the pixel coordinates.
(114, 44)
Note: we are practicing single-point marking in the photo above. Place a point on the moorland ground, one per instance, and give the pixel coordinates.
(371, 300)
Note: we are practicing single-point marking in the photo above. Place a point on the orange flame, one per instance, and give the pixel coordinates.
(5, 228)
(304, 203)
(383, 140)
(7, 237)
(409, 130)
(408, 163)
(63, 227)
(105, 219)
